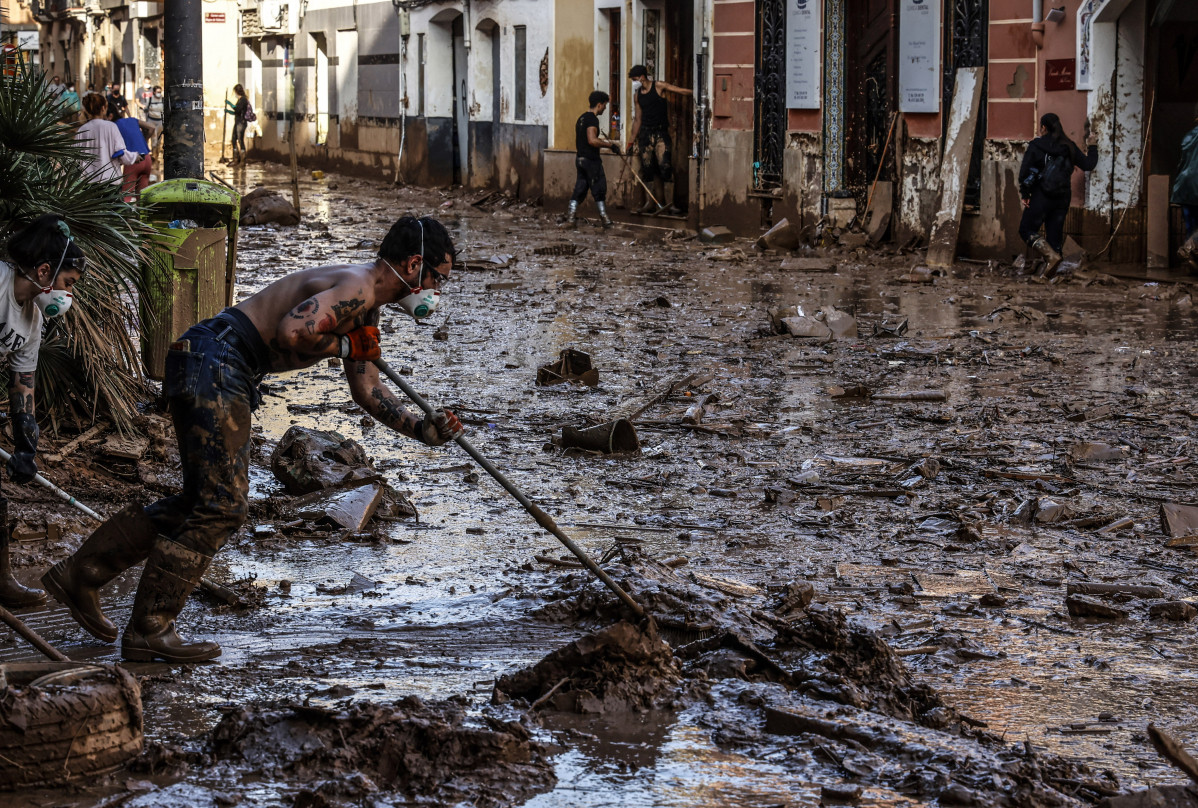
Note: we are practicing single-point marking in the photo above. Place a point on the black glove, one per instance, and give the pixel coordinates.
(615, 148)
(22, 467)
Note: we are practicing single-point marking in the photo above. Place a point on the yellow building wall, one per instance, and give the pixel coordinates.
(572, 72)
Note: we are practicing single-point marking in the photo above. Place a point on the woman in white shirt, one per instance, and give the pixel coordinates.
(105, 154)
(35, 284)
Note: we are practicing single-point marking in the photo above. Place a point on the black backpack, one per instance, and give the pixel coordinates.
(1056, 179)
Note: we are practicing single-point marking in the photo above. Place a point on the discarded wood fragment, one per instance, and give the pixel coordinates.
(1135, 590)
(1173, 751)
(70, 447)
(912, 395)
(1118, 524)
(557, 562)
(1183, 541)
(917, 651)
(694, 413)
(1085, 606)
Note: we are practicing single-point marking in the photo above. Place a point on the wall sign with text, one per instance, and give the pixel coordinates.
(1060, 74)
(804, 56)
(919, 55)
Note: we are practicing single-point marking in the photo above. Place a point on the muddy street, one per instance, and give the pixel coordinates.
(919, 558)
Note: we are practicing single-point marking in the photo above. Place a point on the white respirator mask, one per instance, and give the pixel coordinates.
(418, 303)
(54, 302)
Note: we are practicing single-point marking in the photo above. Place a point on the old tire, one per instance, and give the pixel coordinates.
(61, 721)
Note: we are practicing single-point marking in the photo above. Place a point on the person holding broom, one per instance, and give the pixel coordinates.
(35, 284)
(211, 385)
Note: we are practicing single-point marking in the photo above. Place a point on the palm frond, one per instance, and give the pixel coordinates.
(89, 363)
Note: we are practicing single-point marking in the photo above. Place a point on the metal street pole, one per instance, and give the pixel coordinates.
(183, 77)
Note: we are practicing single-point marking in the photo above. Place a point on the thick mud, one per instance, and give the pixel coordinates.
(860, 548)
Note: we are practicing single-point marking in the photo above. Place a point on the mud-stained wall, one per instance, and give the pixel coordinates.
(519, 159)
(803, 178)
(571, 68)
(993, 230)
(919, 187)
(727, 177)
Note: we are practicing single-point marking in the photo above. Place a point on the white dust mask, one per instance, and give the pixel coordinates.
(418, 303)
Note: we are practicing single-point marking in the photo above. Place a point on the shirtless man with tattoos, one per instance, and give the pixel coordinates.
(211, 384)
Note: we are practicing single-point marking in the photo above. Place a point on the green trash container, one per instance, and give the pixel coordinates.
(190, 269)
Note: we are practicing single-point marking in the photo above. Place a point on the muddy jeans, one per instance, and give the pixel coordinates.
(211, 385)
(589, 175)
(1044, 210)
(653, 146)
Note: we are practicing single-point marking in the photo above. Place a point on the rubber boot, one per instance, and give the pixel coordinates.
(667, 200)
(1188, 253)
(124, 540)
(650, 206)
(1051, 257)
(603, 217)
(572, 215)
(13, 594)
(171, 574)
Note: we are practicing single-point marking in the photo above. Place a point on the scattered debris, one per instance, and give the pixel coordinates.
(263, 206)
(308, 460)
(717, 234)
(571, 366)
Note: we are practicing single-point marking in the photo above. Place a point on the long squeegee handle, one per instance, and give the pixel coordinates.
(58, 492)
(543, 519)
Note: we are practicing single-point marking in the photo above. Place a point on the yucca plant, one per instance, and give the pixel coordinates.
(89, 365)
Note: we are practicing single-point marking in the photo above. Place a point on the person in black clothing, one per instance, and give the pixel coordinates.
(116, 102)
(1045, 180)
(588, 163)
(238, 111)
(651, 138)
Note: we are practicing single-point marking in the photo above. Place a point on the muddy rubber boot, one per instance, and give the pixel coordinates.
(650, 206)
(667, 201)
(13, 594)
(1188, 253)
(603, 217)
(171, 574)
(1051, 257)
(572, 215)
(124, 540)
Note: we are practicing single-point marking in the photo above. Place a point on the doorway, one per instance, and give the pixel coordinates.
(461, 106)
(871, 97)
(347, 89)
(320, 89)
(1172, 69)
(769, 98)
(675, 60)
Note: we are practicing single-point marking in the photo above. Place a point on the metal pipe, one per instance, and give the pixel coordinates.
(183, 149)
(543, 519)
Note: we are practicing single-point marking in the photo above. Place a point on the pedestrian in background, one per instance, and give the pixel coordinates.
(238, 110)
(154, 109)
(117, 104)
(56, 86)
(1046, 186)
(142, 97)
(69, 99)
(587, 161)
(1185, 194)
(105, 153)
(137, 174)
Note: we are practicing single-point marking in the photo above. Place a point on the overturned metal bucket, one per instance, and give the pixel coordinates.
(613, 437)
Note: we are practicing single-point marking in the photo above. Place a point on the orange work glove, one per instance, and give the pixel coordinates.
(361, 344)
(441, 428)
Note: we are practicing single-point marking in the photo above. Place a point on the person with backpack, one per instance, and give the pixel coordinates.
(242, 114)
(1046, 186)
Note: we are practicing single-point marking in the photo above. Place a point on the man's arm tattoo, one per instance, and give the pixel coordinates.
(306, 309)
(20, 393)
(344, 308)
(392, 414)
